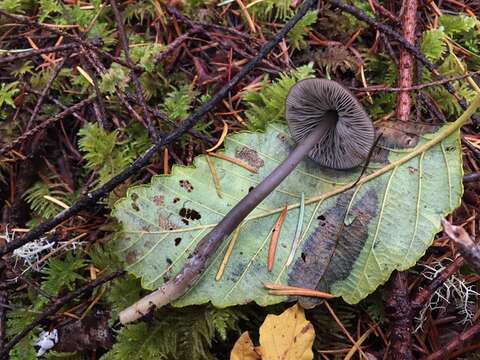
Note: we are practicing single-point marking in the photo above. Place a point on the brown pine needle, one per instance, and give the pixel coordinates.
(216, 179)
(285, 290)
(222, 138)
(234, 161)
(165, 161)
(275, 235)
(228, 253)
(245, 13)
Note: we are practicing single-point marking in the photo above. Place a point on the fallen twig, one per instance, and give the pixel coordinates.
(464, 243)
(399, 310)
(456, 343)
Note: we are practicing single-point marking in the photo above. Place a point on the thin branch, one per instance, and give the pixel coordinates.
(456, 343)
(26, 21)
(43, 125)
(381, 88)
(423, 295)
(35, 52)
(44, 94)
(469, 250)
(133, 75)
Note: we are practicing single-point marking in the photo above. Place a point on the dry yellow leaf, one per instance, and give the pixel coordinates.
(244, 349)
(288, 336)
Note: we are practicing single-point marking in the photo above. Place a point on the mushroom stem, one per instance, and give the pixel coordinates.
(201, 256)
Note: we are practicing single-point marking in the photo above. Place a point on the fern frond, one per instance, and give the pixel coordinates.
(17, 320)
(433, 44)
(100, 151)
(297, 35)
(267, 105)
(177, 103)
(176, 334)
(62, 274)
(456, 24)
(270, 10)
(40, 206)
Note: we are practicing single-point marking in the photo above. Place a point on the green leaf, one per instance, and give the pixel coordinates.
(353, 237)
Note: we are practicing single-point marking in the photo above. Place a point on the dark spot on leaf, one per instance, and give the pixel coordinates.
(135, 206)
(251, 188)
(177, 241)
(412, 170)
(131, 257)
(165, 224)
(190, 214)
(169, 261)
(185, 221)
(166, 278)
(175, 200)
(250, 156)
(134, 196)
(186, 185)
(158, 200)
(450, 148)
(332, 249)
(321, 217)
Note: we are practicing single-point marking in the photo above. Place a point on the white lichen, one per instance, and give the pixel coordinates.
(454, 291)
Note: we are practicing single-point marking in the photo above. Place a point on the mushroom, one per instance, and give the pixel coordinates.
(328, 124)
(326, 106)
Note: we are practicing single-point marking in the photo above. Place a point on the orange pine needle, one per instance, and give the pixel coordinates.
(234, 161)
(165, 161)
(285, 290)
(275, 235)
(222, 138)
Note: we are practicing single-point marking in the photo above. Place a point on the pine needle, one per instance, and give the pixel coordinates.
(285, 290)
(228, 253)
(234, 161)
(216, 179)
(222, 138)
(275, 235)
(298, 231)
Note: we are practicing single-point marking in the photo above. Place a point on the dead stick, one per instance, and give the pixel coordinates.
(456, 343)
(404, 101)
(399, 310)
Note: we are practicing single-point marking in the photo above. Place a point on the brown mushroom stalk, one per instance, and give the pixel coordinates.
(329, 125)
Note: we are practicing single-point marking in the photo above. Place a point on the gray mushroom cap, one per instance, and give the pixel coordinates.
(348, 131)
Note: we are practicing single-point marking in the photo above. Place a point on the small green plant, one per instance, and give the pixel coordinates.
(299, 32)
(267, 105)
(7, 92)
(177, 334)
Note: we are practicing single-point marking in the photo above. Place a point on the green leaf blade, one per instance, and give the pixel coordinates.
(352, 239)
